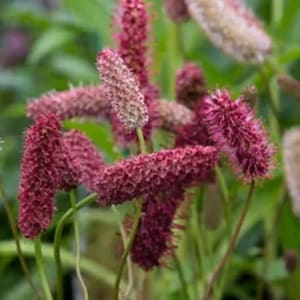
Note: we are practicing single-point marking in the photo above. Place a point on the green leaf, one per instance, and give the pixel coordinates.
(52, 39)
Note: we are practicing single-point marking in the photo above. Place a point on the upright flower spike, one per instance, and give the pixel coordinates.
(177, 10)
(233, 28)
(89, 101)
(84, 158)
(39, 175)
(122, 90)
(172, 115)
(154, 173)
(291, 156)
(154, 235)
(236, 133)
(133, 38)
(190, 85)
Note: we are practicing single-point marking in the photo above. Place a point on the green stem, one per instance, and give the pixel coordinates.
(92, 268)
(181, 278)
(139, 204)
(17, 241)
(225, 196)
(277, 10)
(77, 242)
(40, 266)
(231, 245)
(179, 40)
(128, 247)
(57, 242)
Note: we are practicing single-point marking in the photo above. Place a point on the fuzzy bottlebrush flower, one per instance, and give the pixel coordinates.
(291, 155)
(154, 235)
(39, 175)
(232, 27)
(172, 115)
(190, 85)
(231, 125)
(154, 173)
(89, 101)
(177, 10)
(194, 132)
(122, 90)
(84, 158)
(133, 38)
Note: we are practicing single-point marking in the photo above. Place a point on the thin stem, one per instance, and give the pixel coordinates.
(179, 40)
(92, 268)
(277, 10)
(129, 264)
(57, 242)
(225, 196)
(17, 241)
(231, 245)
(128, 247)
(40, 266)
(181, 278)
(77, 242)
(135, 225)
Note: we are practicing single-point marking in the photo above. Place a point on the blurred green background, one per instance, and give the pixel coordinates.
(48, 44)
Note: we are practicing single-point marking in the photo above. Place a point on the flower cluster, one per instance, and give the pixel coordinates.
(154, 173)
(291, 155)
(122, 90)
(190, 85)
(236, 133)
(232, 27)
(39, 175)
(89, 101)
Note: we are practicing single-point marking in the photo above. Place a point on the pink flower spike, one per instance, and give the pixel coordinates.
(39, 175)
(190, 85)
(80, 102)
(154, 173)
(123, 91)
(177, 10)
(232, 126)
(84, 158)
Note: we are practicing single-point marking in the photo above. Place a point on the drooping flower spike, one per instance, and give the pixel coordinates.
(122, 90)
(154, 237)
(236, 133)
(39, 175)
(190, 85)
(154, 173)
(80, 102)
(233, 28)
(291, 156)
(84, 158)
(177, 10)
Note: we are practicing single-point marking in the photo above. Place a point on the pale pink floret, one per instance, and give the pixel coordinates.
(122, 90)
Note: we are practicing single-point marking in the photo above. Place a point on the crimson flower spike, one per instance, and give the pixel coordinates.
(154, 236)
(154, 173)
(39, 175)
(236, 133)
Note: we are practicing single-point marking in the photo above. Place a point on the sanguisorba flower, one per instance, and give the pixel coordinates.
(172, 115)
(291, 156)
(177, 10)
(154, 173)
(84, 158)
(233, 28)
(122, 90)
(236, 133)
(39, 175)
(190, 85)
(154, 236)
(87, 102)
